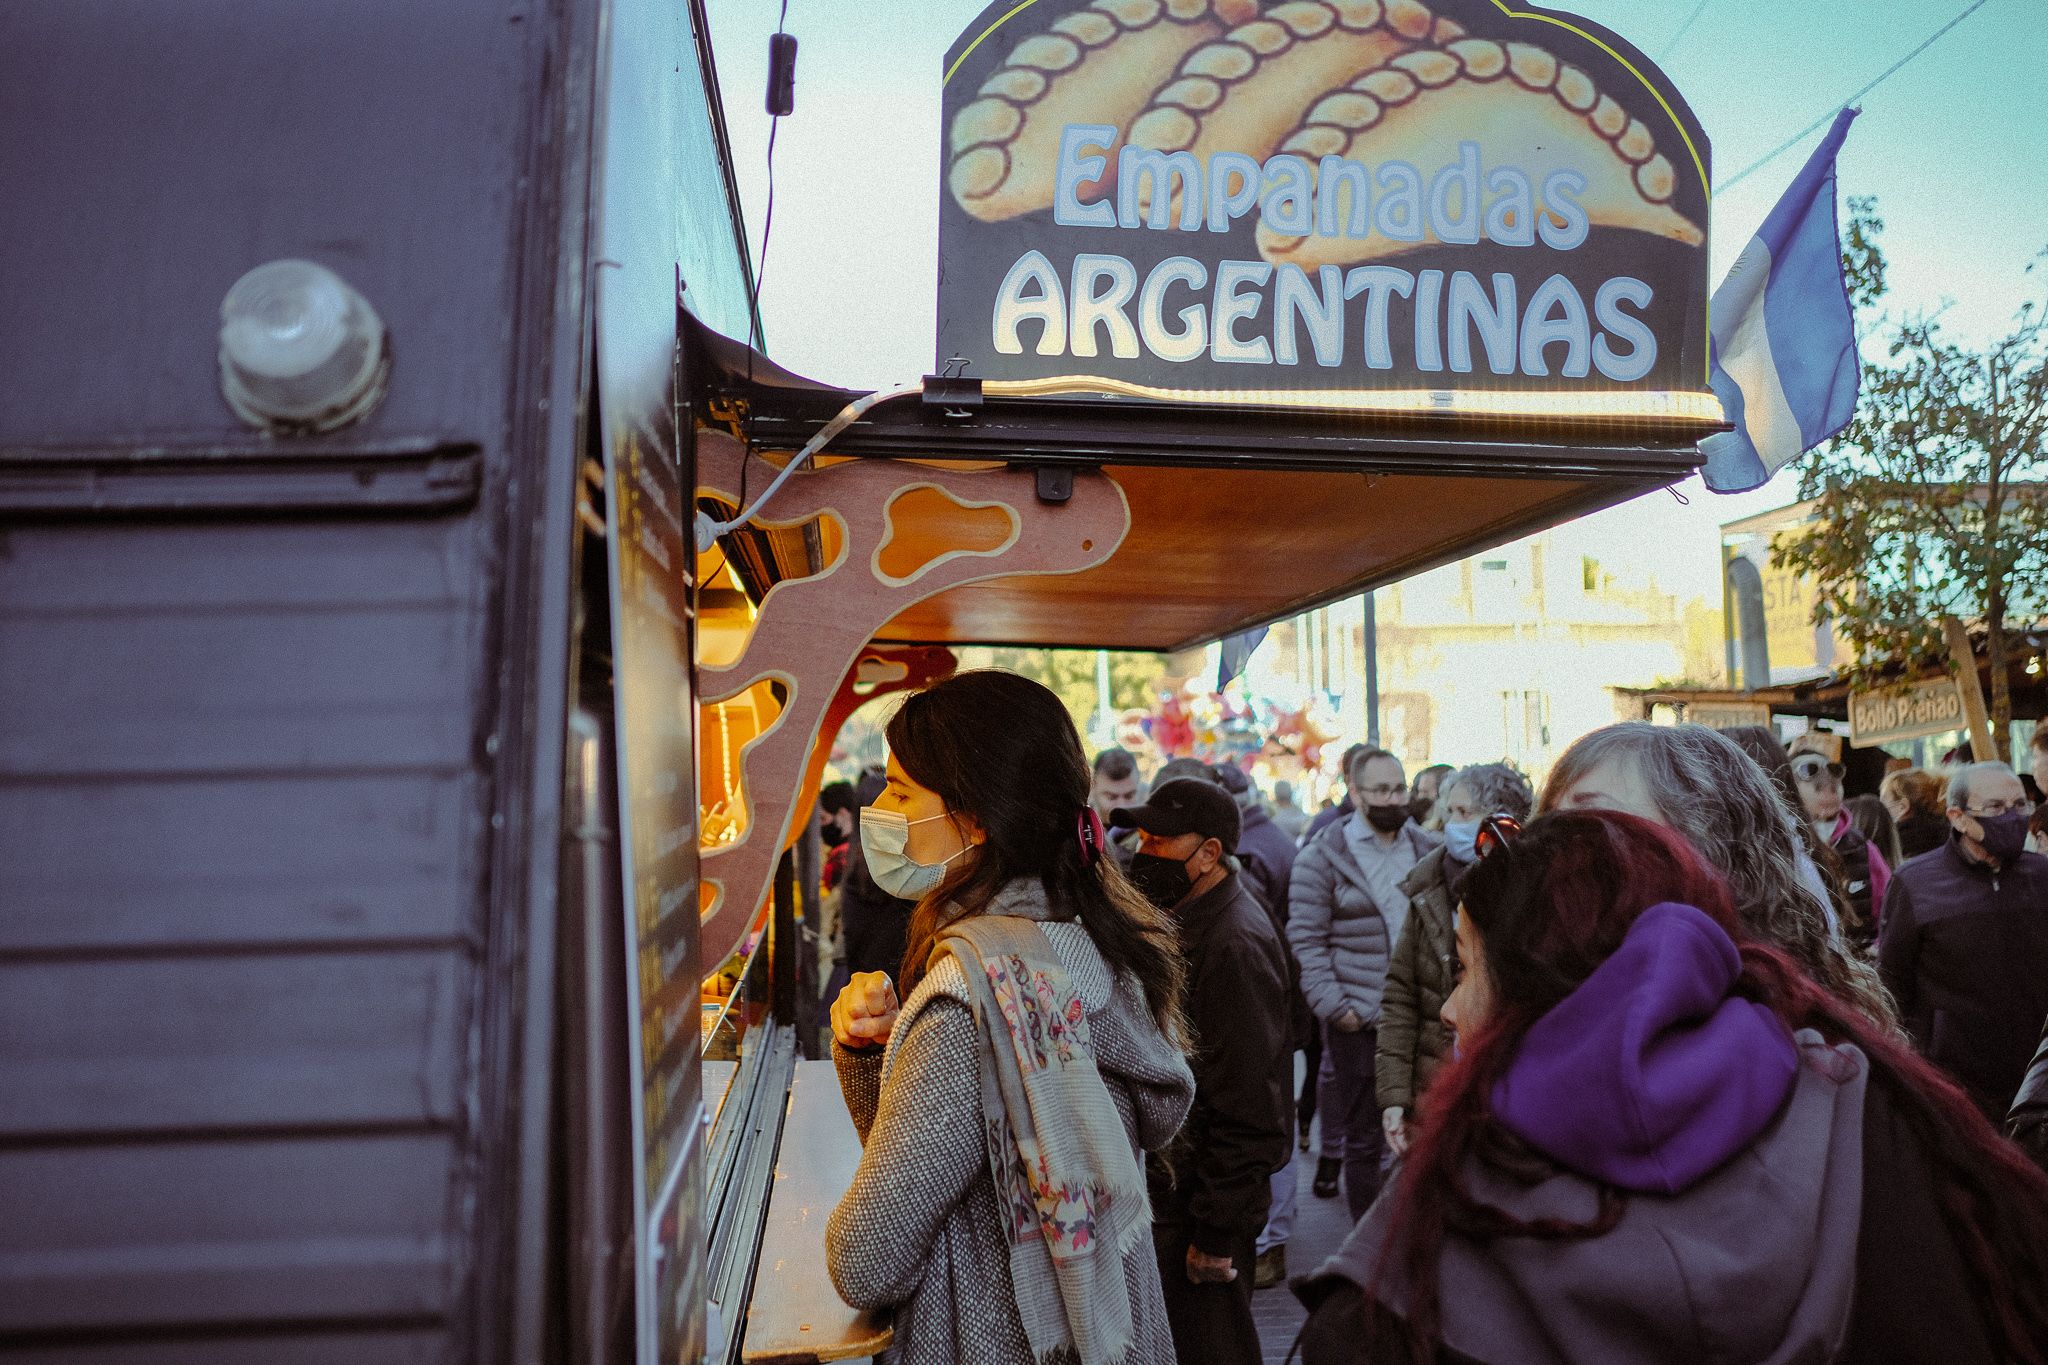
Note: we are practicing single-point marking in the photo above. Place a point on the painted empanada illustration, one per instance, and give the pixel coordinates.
(1246, 91)
(1098, 65)
(1525, 107)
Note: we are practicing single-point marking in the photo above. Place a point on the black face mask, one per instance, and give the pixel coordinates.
(2004, 836)
(1418, 807)
(1386, 819)
(1163, 881)
(832, 835)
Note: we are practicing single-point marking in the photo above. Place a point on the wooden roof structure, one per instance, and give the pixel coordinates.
(1239, 515)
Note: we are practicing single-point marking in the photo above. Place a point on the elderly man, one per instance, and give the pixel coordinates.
(1345, 913)
(1964, 940)
(1210, 1197)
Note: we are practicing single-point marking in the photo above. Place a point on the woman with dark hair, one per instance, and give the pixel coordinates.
(1875, 824)
(1700, 783)
(1004, 1109)
(1662, 1141)
(1918, 801)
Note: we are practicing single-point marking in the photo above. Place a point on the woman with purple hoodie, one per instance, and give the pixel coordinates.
(1662, 1141)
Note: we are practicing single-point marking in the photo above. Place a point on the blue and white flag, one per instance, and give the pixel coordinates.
(1236, 653)
(1784, 336)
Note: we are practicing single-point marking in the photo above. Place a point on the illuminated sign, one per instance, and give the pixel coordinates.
(1202, 196)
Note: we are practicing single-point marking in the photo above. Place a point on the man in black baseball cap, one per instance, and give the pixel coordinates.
(1210, 1197)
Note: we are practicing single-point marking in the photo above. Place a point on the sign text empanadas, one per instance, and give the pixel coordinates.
(1319, 194)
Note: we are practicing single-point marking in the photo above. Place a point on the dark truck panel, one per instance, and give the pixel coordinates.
(239, 948)
(281, 719)
(154, 152)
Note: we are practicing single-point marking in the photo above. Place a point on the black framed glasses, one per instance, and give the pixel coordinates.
(1993, 809)
(1496, 831)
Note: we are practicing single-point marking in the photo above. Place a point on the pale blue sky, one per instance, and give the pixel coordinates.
(1955, 147)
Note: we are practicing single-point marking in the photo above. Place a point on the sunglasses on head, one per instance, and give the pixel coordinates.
(1496, 831)
(1807, 767)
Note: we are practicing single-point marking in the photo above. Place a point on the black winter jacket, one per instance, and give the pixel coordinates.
(1922, 832)
(1964, 949)
(1215, 1178)
(1855, 852)
(2028, 1122)
(873, 923)
(1267, 856)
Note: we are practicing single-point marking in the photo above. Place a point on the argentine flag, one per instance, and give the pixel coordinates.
(1236, 653)
(1784, 338)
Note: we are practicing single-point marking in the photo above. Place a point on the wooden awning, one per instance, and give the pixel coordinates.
(1215, 549)
(1238, 515)
(951, 515)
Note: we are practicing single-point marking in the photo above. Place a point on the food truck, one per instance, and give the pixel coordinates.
(426, 606)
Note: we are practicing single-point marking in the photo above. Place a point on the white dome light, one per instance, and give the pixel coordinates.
(300, 351)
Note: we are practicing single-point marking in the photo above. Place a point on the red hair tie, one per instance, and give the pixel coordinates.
(1088, 829)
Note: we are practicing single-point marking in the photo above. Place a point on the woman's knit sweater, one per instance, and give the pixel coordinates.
(921, 1229)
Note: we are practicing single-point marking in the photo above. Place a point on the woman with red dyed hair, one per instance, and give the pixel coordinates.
(1662, 1141)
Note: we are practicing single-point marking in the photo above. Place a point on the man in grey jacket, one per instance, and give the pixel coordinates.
(1345, 912)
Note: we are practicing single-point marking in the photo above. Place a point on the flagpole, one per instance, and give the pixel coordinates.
(1372, 670)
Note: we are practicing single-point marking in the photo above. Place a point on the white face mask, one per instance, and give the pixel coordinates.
(884, 834)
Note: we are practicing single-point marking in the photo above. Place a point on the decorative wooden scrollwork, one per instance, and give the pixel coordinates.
(813, 631)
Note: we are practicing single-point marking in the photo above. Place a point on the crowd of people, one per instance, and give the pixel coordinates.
(1687, 1055)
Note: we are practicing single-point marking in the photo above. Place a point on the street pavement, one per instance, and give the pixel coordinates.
(1319, 1226)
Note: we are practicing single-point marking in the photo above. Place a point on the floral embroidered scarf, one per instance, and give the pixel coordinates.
(1071, 1189)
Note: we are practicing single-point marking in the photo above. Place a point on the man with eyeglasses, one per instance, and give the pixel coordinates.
(1964, 941)
(1345, 913)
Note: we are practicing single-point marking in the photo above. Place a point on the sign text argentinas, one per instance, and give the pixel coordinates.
(1223, 194)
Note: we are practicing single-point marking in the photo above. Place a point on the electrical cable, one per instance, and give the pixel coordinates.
(768, 215)
(1672, 41)
(708, 531)
(755, 332)
(1789, 143)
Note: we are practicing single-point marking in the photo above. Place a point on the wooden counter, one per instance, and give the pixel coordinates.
(796, 1317)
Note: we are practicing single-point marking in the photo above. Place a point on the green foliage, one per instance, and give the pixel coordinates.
(1862, 260)
(1932, 502)
(1133, 679)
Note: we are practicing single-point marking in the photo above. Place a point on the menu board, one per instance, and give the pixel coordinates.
(652, 637)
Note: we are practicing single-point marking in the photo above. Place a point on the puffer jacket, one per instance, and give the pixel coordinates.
(1413, 1041)
(1339, 935)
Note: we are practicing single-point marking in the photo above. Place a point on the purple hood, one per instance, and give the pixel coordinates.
(1650, 1075)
